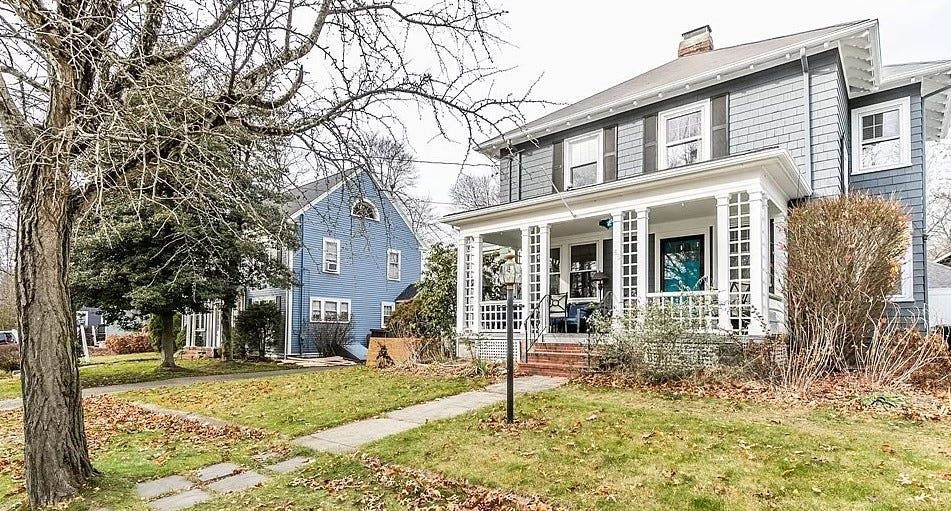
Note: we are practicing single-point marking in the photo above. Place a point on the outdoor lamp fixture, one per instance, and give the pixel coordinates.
(510, 276)
(607, 223)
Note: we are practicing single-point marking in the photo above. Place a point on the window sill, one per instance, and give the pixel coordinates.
(901, 299)
(881, 168)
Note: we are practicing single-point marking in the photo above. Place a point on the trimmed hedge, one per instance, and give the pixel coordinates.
(9, 357)
(129, 343)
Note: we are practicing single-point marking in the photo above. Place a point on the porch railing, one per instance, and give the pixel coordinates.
(492, 316)
(697, 308)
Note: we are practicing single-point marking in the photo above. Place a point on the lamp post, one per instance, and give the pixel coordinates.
(510, 274)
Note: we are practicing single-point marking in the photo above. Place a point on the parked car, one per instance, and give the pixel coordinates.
(9, 337)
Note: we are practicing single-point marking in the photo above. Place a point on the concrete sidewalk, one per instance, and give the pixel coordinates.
(351, 436)
(12, 404)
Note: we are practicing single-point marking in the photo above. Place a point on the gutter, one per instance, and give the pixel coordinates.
(807, 104)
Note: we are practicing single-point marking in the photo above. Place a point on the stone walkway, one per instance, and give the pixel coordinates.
(349, 437)
(11, 404)
(176, 492)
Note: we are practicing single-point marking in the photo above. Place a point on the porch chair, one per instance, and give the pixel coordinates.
(557, 312)
(577, 317)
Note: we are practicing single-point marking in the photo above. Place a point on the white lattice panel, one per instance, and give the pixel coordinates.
(740, 307)
(629, 261)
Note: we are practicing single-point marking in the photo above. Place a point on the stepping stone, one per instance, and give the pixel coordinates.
(217, 471)
(158, 487)
(289, 465)
(239, 482)
(180, 501)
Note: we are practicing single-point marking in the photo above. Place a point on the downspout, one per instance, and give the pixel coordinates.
(807, 105)
(300, 303)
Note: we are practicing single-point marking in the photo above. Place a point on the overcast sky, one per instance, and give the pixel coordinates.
(580, 48)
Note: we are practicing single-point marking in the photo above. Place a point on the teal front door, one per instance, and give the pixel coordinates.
(681, 262)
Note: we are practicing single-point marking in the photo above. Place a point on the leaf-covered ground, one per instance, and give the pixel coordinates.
(129, 444)
(595, 448)
(142, 367)
(301, 404)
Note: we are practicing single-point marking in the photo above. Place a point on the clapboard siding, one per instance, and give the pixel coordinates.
(630, 144)
(363, 250)
(827, 110)
(536, 172)
(906, 184)
(770, 112)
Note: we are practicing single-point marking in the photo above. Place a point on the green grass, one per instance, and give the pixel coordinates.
(616, 449)
(300, 404)
(142, 367)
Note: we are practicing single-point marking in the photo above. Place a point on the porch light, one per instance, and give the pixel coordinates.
(510, 270)
(607, 223)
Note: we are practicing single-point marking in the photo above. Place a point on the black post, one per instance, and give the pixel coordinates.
(509, 362)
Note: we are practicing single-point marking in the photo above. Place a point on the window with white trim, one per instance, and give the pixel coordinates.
(331, 255)
(583, 160)
(393, 264)
(904, 287)
(329, 310)
(881, 136)
(386, 310)
(684, 135)
(363, 208)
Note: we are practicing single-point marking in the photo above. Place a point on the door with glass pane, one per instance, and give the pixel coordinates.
(681, 262)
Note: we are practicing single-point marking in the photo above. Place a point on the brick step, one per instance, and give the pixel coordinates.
(542, 369)
(561, 347)
(556, 357)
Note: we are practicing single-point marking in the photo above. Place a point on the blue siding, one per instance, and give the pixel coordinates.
(906, 184)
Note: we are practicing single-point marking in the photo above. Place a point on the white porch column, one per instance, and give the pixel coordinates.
(642, 259)
(544, 243)
(617, 277)
(759, 300)
(723, 260)
(526, 280)
(461, 284)
(477, 282)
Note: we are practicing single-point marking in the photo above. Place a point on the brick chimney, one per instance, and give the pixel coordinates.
(698, 40)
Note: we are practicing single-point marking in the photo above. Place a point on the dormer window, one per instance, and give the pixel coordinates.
(684, 135)
(583, 158)
(364, 209)
(881, 136)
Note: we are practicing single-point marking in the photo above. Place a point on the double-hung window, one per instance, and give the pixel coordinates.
(329, 310)
(684, 135)
(393, 263)
(881, 136)
(584, 262)
(554, 271)
(583, 160)
(904, 286)
(331, 255)
(386, 310)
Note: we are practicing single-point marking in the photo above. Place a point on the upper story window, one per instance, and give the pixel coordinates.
(331, 255)
(393, 263)
(684, 135)
(881, 136)
(583, 160)
(364, 209)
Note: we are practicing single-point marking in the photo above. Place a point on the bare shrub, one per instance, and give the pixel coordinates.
(330, 337)
(9, 357)
(898, 352)
(124, 344)
(844, 259)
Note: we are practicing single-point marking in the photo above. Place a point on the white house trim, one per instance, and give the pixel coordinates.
(702, 106)
(323, 256)
(904, 119)
(598, 136)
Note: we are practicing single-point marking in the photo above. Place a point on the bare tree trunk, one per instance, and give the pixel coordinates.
(56, 455)
(167, 339)
(226, 315)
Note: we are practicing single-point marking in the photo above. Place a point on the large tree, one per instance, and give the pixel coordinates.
(327, 72)
(474, 191)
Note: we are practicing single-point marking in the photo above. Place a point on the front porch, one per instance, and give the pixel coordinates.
(706, 241)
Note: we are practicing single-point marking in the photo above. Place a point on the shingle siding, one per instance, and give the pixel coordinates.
(630, 144)
(769, 112)
(906, 184)
(363, 255)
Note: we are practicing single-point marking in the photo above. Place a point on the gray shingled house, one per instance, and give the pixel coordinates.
(670, 186)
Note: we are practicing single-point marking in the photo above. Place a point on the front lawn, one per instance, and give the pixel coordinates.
(304, 403)
(142, 367)
(591, 448)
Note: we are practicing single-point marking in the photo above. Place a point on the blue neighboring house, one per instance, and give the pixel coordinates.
(358, 254)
